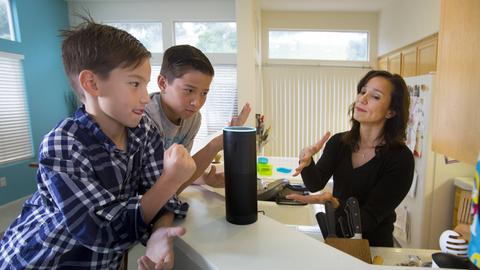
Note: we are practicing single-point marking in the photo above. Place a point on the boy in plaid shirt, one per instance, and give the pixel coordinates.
(103, 177)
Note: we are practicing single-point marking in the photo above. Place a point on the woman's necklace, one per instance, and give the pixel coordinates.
(366, 151)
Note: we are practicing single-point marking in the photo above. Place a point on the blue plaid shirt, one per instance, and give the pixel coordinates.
(86, 212)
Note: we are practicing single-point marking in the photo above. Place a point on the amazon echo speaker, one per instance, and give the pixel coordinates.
(240, 174)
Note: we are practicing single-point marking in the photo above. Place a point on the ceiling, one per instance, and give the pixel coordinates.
(325, 5)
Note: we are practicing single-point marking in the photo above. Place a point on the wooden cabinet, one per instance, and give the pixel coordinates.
(409, 62)
(415, 59)
(383, 63)
(395, 63)
(427, 56)
(456, 113)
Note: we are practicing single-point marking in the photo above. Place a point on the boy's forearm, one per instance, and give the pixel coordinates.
(203, 158)
(157, 196)
(164, 221)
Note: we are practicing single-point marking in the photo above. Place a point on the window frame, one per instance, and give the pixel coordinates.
(319, 62)
(11, 22)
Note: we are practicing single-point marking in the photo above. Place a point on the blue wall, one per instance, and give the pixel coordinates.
(39, 23)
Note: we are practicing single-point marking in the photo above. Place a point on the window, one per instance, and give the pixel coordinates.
(15, 135)
(318, 45)
(209, 37)
(152, 85)
(150, 34)
(6, 22)
(221, 102)
(218, 40)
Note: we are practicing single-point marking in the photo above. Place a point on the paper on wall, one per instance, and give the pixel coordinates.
(413, 187)
(401, 230)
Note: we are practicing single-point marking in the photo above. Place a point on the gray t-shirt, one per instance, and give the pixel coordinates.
(170, 132)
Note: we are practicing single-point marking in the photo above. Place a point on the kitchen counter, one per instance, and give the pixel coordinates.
(213, 243)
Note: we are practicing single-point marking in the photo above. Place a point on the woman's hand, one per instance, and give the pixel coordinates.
(316, 198)
(306, 154)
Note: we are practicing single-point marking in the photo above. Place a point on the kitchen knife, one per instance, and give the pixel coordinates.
(353, 214)
(331, 221)
(343, 227)
(322, 223)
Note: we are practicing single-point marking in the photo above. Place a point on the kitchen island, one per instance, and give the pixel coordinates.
(213, 243)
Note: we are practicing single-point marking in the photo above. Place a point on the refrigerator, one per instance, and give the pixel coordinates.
(426, 211)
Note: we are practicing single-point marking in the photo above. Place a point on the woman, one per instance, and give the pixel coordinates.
(370, 162)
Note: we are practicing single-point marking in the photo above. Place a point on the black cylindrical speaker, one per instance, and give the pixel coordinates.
(240, 174)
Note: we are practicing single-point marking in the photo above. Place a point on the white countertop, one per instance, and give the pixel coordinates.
(213, 243)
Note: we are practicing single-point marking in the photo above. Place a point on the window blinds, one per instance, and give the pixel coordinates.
(221, 102)
(15, 134)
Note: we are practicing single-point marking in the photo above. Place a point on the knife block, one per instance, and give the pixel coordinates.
(359, 248)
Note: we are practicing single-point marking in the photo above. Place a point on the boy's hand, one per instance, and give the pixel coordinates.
(213, 179)
(242, 117)
(178, 164)
(159, 251)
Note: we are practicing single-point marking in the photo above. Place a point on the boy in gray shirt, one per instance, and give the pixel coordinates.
(184, 82)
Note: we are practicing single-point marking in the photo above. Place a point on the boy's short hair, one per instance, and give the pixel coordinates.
(99, 48)
(178, 60)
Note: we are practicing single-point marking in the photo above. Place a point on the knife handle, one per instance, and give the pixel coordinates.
(343, 227)
(322, 223)
(354, 213)
(331, 221)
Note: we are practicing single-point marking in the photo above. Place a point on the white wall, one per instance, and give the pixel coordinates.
(248, 70)
(405, 21)
(321, 20)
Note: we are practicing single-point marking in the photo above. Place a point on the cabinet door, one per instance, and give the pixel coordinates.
(394, 63)
(409, 62)
(383, 63)
(427, 57)
(456, 113)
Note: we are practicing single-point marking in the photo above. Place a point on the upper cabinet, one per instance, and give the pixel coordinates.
(409, 62)
(395, 62)
(415, 59)
(456, 116)
(427, 56)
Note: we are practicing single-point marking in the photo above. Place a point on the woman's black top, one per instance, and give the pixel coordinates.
(379, 185)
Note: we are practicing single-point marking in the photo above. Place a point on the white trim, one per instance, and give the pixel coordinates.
(12, 55)
(321, 63)
(11, 27)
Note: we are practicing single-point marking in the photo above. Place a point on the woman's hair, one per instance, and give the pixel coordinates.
(393, 132)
